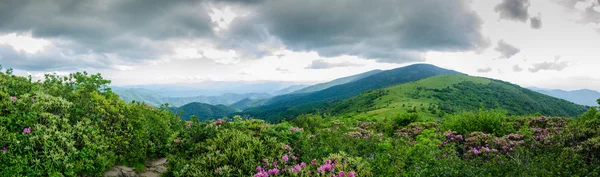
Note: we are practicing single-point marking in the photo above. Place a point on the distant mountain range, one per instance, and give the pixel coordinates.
(204, 111)
(290, 89)
(248, 103)
(340, 81)
(155, 99)
(422, 88)
(291, 105)
(582, 97)
(214, 88)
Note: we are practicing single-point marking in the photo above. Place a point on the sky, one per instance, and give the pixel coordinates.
(541, 43)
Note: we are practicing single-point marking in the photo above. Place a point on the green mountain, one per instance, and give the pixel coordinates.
(290, 105)
(248, 103)
(152, 98)
(290, 89)
(583, 97)
(299, 89)
(204, 111)
(442, 94)
(340, 81)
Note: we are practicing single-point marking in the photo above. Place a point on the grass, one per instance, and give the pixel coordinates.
(401, 98)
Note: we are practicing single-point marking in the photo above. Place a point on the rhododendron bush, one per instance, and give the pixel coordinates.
(76, 126)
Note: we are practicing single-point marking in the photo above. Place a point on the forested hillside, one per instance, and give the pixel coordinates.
(291, 105)
(443, 94)
(339, 81)
(203, 111)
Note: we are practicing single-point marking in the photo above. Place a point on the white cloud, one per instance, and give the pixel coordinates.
(24, 42)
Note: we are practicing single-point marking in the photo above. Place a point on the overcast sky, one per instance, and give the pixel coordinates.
(542, 43)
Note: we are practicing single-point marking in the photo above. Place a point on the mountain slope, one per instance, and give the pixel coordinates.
(290, 89)
(443, 94)
(247, 103)
(343, 80)
(152, 98)
(204, 111)
(583, 97)
(287, 106)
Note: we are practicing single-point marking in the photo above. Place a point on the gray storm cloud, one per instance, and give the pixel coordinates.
(506, 50)
(536, 22)
(322, 64)
(513, 10)
(388, 30)
(517, 68)
(555, 65)
(129, 32)
(484, 70)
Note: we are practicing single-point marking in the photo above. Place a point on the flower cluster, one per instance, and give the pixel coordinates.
(366, 124)
(451, 136)
(27, 130)
(292, 167)
(295, 129)
(13, 98)
(188, 125)
(415, 128)
(219, 123)
(359, 133)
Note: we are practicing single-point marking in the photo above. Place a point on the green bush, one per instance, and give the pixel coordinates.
(74, 126)
(491, 121)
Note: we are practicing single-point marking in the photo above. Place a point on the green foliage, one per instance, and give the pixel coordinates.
(479, 121)
(404, 119)
(74, 126)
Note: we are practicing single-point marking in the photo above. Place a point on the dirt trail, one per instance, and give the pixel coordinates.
(154, 168)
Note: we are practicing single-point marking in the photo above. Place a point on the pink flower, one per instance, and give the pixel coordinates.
(219, 121)
(351, 174)
(32, 100)
(302, 164)
(218, 170)
(341, 174)
(27, 130)
(275, 163)
(4, 150)
(314, 161)
(297, 168)
(177, 140)
(285, 158)
(294, 158)
(261, 174)
(259, 169)
(273, 171)
(13, 99)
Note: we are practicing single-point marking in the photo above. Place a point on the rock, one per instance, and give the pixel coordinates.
(126, 169)
(153, 169)
(113, 173)
(150, 174)
(158, 162)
